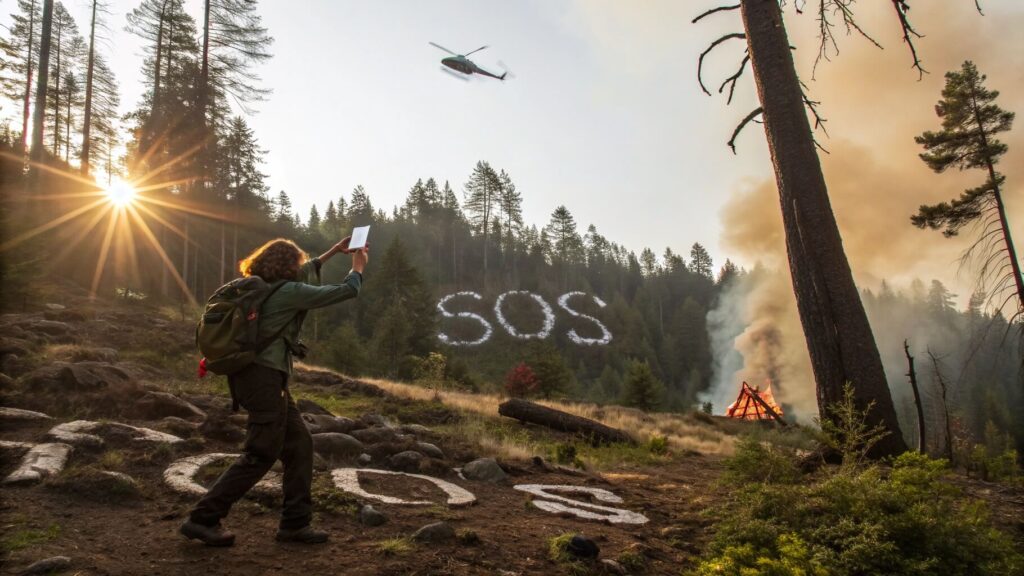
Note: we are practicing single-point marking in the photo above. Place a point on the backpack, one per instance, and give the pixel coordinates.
(228, 331)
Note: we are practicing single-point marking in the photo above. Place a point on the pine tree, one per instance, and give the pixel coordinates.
(700, 261)
(970, 122)
(21, 57)
(399, 288)
(360, 210)
(480, 203)
(510, 205)
(648, 262)
(643, 390)
(553, 376)
(42, 82)
(284, 215)
(727, 273)
(67, 48)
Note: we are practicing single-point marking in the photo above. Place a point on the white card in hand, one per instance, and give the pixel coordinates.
(359, 236)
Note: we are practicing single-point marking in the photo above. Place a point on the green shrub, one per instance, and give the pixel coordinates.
(658, 445)
(756, 461)
(907, 520)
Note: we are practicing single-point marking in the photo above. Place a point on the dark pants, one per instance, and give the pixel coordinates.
(276, 431)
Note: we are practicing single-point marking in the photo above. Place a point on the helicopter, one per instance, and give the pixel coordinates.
(460, 63)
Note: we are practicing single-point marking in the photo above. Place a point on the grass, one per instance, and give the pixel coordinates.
(328, 498)
(558, 552)
(112, 460)
(27, 537)
(395, 546)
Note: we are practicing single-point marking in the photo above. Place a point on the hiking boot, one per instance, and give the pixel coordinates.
(214, 535)
(305, 535)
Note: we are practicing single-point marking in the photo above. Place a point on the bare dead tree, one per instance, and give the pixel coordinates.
(912, 374)
(943, 390)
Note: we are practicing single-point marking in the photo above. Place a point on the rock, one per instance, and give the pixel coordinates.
(613, 567)
(77, 433)
(582, 547)
(68, 315)
(55, 307)
(335, 445)
(435, 533)
(373, 420)
(484, 470)
(6, 381)
(14, 346)
(428, 449)
(82, 376)
(49, 327)
(41, 461)
(12, 414)
(417, 429)
(12, 364)
(156, 405)
(408, 461)
(364, 459)
(374, 435)
(218, 426)
(48, 566)
(85, 354)
(178, 426)
(309, 407)
(319, 423)
(369, 516)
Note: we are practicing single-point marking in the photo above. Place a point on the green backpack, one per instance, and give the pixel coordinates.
(228, 332)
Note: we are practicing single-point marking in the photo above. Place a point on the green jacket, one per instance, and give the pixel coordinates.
(285, 305)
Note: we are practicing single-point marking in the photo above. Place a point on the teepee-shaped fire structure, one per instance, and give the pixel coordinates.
(755, 404)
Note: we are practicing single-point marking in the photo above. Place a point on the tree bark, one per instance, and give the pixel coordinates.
(28, 77)
(39, 114)
(87, 120)
(912, 374)
(56, 100)
(839, 339)
(526, 411)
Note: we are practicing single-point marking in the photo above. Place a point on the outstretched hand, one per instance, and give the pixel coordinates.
(342, 246)
(360, 257)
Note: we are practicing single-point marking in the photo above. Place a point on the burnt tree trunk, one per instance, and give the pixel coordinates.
(839, 339)
(526, 411)
(912, 374)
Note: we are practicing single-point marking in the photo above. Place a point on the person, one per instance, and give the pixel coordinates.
(275, 429)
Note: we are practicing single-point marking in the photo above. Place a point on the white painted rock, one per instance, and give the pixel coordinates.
(556, 504)
(77, 433)
(7, 413)
(347, 479)
(41, 461)
(180, 475)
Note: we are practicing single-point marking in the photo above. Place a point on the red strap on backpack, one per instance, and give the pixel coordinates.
(202, 368)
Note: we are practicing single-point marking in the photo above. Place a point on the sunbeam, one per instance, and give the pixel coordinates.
(50, 225)
(163, 255)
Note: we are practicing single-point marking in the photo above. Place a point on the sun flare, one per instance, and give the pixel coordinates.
(120, 193)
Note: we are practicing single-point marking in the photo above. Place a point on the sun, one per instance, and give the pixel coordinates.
(120, 193)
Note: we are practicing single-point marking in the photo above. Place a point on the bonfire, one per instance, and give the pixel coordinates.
(755, 404)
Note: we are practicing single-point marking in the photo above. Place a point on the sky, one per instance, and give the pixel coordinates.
(601, 111)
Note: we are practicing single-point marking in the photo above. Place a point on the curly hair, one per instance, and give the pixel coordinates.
(278, 259)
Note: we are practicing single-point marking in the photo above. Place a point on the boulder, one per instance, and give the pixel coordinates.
(319, 423)
(14, 346)
(15, 414)
(408, 461)
(6, 381)
(435, 533)
(81, 376)
(336, 446)
(583, 548)
(157, 405)
(375, 435)
(178, 426)
(49, 327)
(612, 567)
(307, 406)
(484, 470)
(416, 429)
(369, 516)
(373, 420)
(55, 307)
(48, 566)
(364, 459)
(428, 449)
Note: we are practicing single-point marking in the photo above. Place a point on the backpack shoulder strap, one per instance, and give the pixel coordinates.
(261, 346)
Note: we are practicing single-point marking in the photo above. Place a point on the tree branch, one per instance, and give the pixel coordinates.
(719, 9)
(700, 61)
(731, 80)
(732, 141)
(909, 34)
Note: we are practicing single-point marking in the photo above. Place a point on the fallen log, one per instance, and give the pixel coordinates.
(526, 411)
